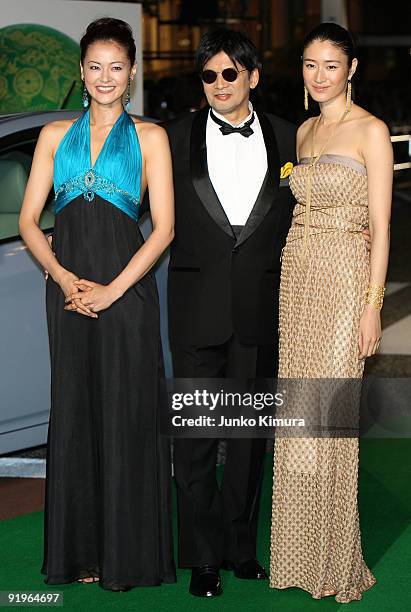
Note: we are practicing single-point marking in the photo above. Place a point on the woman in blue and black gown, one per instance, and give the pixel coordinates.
(107, 514)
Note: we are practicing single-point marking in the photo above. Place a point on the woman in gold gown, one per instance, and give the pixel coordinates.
(330, 299)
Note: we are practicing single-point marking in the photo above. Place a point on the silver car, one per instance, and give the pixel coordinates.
(24, 351)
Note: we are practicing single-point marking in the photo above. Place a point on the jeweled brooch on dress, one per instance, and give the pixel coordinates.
(89, 180)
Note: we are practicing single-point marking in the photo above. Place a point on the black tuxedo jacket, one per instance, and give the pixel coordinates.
(218, 285)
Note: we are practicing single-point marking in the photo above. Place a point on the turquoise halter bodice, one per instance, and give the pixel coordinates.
(116, 174)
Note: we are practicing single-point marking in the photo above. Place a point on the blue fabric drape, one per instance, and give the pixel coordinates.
(116, 174)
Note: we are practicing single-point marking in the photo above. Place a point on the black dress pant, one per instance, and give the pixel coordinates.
(216, 523)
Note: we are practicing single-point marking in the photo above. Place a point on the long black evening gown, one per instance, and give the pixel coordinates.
(108, 507)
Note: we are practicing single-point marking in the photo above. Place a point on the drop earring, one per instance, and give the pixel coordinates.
(86, 101)
(128, 96)
(348, 101)
(305, 98)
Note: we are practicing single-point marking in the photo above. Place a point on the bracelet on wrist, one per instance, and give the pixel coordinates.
(375, 296)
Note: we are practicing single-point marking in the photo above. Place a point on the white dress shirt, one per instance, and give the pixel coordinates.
(236, 166)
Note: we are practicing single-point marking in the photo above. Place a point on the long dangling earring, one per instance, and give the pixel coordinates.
(305, 98)
(128, 96)
(86, 101)
(348, 101)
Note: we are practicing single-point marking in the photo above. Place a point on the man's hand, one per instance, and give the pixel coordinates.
(367, 237)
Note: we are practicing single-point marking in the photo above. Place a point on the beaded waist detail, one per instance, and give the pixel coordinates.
(91, 183)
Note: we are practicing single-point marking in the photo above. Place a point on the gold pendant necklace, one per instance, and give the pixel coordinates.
(311, 170)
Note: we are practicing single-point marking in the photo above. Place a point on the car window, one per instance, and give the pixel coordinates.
(16, 155)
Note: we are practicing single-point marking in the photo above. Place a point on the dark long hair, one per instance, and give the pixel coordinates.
(336, 35)
(108, 28)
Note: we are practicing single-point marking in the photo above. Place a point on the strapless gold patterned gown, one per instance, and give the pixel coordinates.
(315, 533)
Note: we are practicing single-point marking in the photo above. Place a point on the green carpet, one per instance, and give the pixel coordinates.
(385, 510)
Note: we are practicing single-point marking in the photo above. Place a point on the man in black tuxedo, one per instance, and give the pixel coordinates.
(233, 212)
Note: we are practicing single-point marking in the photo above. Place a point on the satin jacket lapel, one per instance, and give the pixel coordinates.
(270, 187)
(199, 172)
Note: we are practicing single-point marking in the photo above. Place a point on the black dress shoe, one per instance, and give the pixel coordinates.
(205, 581)
(227, 566)
(248, 570)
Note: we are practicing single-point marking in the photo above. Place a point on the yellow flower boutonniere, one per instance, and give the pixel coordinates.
(286, 170)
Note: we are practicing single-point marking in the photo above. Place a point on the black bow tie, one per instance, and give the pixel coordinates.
(245, 130)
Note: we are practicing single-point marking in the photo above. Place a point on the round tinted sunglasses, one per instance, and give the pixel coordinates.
(228, 74)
